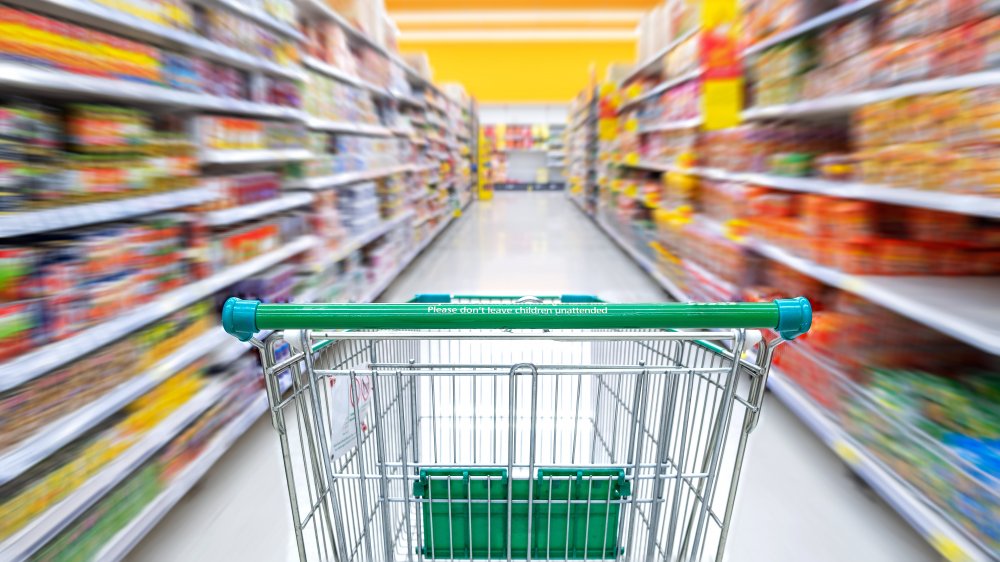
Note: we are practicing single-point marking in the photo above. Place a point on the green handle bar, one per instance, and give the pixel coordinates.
(243, 318)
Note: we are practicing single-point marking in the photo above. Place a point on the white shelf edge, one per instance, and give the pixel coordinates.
(43, 528)
(329, 125)
(22, 77)
(114, 21)
(54, 435)
(281, 203)
(660, 88)
(83, 214)
(331, 71)
(941, 319)
(826, 18)
(672, 126)
(129, 536)
(960, 203)
(430, 217)
(641, 67)
(932, 526)
(644, 263)
(346, 178)
(848, 102)
(981, 206)
(46, 358)
(230, 157)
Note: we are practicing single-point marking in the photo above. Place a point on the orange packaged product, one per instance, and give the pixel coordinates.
(812, 209)
(851, 220)
(901, 257)
(854, 258)
(937, 226)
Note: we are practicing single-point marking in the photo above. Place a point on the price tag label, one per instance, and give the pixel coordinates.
(631, 190)
(846, 452)
(632, 158)
(632, 125)
(949, 548)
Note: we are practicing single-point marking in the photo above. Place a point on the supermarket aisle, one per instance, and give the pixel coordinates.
(797, 499)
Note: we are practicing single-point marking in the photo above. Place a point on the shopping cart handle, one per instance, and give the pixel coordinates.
(243, 318)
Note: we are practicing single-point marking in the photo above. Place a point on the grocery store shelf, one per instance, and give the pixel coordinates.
(347, 178)
(22, 78)
(980, 206)
(259, 16)
(842, 104)
(47, 525)
(362, 240)
(962, 307)
(321, 8)
(53, 436)
(330, 126)
(645, 263)
(71, 216)
(409, 100)
(659, 89)
(92, 14)
(646, 65)
(430, 216)
(36, 363)
(331, 71)
(128, 537)
(230, 157)
(672, 126)
(835, 15)
(387, 280)
(950, 541)
(974, 205)
(246, 212)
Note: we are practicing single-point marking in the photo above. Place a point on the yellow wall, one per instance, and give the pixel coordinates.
(512, 72)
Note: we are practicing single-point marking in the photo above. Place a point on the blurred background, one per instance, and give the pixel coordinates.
(158, 156)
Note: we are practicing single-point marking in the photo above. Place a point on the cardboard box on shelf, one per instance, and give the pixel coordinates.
(618, 71)
(643, 45)
(354, 11)
(420, 63)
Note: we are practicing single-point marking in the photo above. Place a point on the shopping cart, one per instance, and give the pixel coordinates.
(473, 428)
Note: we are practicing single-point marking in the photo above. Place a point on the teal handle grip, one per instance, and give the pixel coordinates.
(790, 317)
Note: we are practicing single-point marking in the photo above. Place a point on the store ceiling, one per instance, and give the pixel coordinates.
(457, 5)
(448, 21)
(520, 51)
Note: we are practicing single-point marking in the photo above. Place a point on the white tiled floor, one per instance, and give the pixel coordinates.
(797, 501)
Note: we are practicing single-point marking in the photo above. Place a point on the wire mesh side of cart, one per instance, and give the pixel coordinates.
(622, 447)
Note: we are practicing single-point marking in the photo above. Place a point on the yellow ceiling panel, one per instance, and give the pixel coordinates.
(525, 72)
(524, 24)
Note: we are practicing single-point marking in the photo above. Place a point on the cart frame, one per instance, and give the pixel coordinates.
(444, 451)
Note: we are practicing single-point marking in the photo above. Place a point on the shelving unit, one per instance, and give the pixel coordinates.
(44, 528)
(72, 216)
(937, 529)
(955, 307)
(442, 131)
(44, 359)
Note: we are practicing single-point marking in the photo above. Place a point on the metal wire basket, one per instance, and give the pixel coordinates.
(479, 428)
